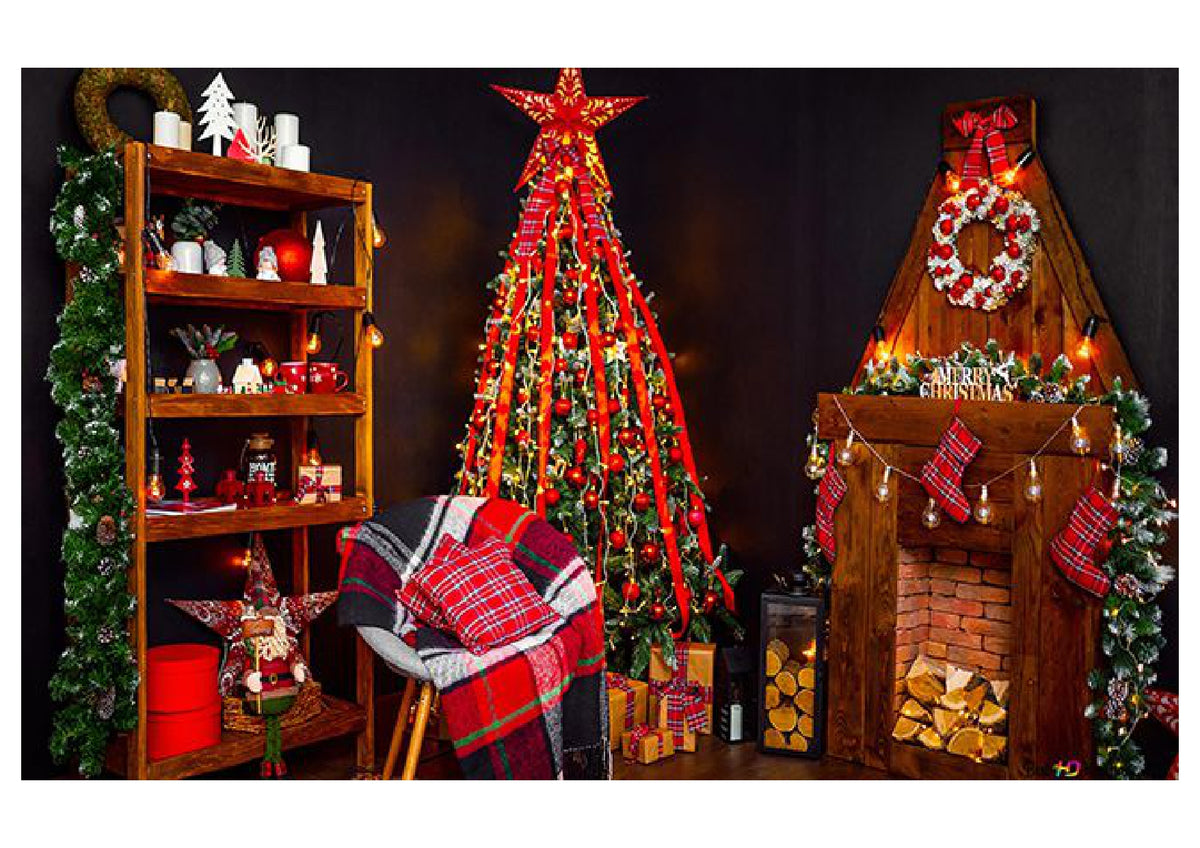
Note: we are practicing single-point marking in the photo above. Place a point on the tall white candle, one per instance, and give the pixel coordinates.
(295, 157)
(166, 129)
(287, 130)
(185, 135)
(245, 116)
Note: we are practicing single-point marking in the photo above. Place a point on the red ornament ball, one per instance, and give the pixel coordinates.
(641, 502)
(617, 539)
(1013, 250)
(576, 477)
(614, 406)
(675, 454)
(580, 377)
(631, 591)
(695, 516)
(711, 599)
(657, 611)
(562, 407)
(292, 251)
(590, 499)
(560, 366)
(946, 227)
(608, 339)
(973, 201)
(649, 552)
(1001, 205)
(553, 496)
(570, 340)
(998, 274)
(616, 463)
(627, 437)
(570, 297)
(658, 401)
(592, 416)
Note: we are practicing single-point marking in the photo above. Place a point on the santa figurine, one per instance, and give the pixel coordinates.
(274, 675)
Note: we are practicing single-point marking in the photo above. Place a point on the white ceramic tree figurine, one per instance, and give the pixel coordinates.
(317, 269)
(217, 111)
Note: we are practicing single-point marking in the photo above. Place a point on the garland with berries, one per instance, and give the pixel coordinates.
(95, 683)
(1132, 637)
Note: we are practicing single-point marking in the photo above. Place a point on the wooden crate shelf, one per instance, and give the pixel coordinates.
(182, 173)
(338, 718)
(163, 528)
(173, 287)
(253, 406)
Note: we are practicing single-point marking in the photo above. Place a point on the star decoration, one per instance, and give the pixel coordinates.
(226, 617)
(568, 117)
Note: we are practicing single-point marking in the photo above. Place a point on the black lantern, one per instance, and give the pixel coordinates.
(791, 675)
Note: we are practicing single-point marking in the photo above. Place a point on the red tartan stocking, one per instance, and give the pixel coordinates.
(943, 473)
(829, 495)
(1074, 549)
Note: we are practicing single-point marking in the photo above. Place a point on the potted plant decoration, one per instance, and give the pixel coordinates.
(204, 346)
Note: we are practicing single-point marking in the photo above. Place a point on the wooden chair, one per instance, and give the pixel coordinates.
(405, 662)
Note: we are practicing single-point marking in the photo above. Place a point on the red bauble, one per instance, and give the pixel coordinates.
(592, 416)
(616, 463)
(614, 406)
(617, 539)
(947, 226)
(570, 297)
(562, 407)
(631, 591)
(1001, 205)
(657, 611)
(570, 340)
(695, 516)
(608, 339)
(1016, 276)
(998, 274)
(581, 448)
(560, 366)
(944, 251)
(590, 499)
(553, 496)
(292, 251)
(1010, 223)
(523, 437)
(658, 401)
(627, 437)
(641, 502)
(1014, 251)
(576, 477)
(973, 201)
(675, 454)
(711, 599)
(580, 377)
(649, 552)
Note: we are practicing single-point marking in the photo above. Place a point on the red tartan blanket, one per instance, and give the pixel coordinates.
(534, 709)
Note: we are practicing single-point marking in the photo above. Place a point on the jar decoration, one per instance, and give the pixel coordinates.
(258, 469)
(204, 346)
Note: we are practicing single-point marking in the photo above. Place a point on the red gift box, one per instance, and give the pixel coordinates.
(168, 734)
(184, 708)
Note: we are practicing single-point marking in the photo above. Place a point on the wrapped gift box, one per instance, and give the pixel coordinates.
(683, 740)
(687, 688)
(646, 744)
(318, 484)
(183, 707)
(628, 706)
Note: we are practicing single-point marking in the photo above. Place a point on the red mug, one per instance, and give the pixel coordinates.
(295, 375)
(325, 378)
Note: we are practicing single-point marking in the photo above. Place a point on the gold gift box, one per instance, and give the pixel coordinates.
(651, 748)
(618, 724)
(700, 663)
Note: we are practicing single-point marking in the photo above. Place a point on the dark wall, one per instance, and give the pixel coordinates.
(768, 209)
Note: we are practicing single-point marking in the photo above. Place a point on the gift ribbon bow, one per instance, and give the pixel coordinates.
(641, 732)
(687, 700)
(619, 682)
(986, 134)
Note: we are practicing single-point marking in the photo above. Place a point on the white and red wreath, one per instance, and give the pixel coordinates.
(1008, 211)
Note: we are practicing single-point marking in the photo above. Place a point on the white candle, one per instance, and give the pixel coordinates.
(166, 129)
(185, 135)
(245, 116)
(287, 130)
(295, 157)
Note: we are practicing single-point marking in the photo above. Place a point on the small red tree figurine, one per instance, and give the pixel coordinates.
(186, 467)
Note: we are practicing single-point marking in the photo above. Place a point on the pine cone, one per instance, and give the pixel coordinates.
(1127, 586)
(92, 384)
(106, 530)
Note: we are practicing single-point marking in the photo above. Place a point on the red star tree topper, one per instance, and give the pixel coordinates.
(576, 410)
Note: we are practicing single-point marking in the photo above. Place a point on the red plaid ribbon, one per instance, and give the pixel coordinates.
(829, 495)
(985, 132)
(533, 219)
(943, 473)
(1074, 549)
(687, 700)
(309, 484)
(587, 202)
(641, 732)
(618, 681)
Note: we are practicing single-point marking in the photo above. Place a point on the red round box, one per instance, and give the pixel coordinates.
(168, 734)
(181, 678)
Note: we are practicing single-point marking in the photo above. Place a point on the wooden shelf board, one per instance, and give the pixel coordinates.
(172, 287)
(251, 406)
(338, 718)
(182, 173)
(161, 528)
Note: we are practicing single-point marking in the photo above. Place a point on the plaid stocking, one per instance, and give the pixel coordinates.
(943, 473)
(829, 495)
(1074, 549)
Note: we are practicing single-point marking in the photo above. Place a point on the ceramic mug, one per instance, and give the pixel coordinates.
(325, 378)
(295, 375)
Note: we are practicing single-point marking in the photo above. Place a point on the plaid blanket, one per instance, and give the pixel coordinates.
(534, 709)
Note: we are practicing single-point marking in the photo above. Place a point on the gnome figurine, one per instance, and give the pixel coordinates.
(214, 259)
(268, 265)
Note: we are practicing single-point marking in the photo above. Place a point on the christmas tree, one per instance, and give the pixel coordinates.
(236, 266)
(187, 467)
(576, 412)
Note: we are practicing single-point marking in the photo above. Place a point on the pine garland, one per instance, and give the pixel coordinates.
(1132, 637)
(95, 684)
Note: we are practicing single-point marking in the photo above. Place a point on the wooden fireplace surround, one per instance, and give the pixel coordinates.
(1056, 626)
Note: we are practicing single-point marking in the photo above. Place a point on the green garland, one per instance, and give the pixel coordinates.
(95, 684)
(1132, 637)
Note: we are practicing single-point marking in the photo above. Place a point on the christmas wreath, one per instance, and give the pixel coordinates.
(1009, 212)
(97, 84)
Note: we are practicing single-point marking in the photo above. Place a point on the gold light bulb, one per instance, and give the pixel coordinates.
(845, 454)
(931, 518)
(883, 492)
(313, 345)
(983, 509)
(1033, 488)
(1080, 443)
(815, 467)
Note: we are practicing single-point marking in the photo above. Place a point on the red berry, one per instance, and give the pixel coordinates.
(581, 449)
(658, 401)
(614, 406)
(570, 340)
(580, 377)
(945, 251)
(1001, 205)
(973, 201)
(608, 339)
(1017, 276)
(657, 611)
(562, 406)
(965, 280)
(560, 366)
(627, 437)
(998, 274)
(711, 599)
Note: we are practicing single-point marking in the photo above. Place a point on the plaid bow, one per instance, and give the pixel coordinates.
(308, 485)
(533, 219)
(1075, 547)
(829, 495)
(641, 732)
(986, 134)
(618, 681)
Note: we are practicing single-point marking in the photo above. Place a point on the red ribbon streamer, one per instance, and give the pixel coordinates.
(985, 132)
(504, 398)
(546, 382)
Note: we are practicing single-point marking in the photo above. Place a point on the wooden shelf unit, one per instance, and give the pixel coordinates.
(163, 171)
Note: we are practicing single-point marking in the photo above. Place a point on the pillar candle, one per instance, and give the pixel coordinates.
(245, 115)
(166, 129)
(295, 157)
(287, 130)
(185, 135)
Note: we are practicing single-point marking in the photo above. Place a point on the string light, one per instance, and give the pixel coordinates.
(931, 518)
(845, 454)
(267, 366)
(371, 330)
(1090, 328)
(1010, 176)
(313, 345)
(156, 490)
(952, 179)
(378, 237)
(1080, 443)
(815, 467)
(1117, 447)
(883, 492)
(983, 509)
(880, 336)
(1033, 488)
(312, 452)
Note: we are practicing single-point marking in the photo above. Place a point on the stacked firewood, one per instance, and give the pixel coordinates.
(790, 698)
(953, 709)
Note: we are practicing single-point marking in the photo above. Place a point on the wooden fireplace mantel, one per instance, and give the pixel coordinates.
(1056, 625)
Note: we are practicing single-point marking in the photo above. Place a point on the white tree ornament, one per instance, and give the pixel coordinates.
(317, 269)
(217, 112)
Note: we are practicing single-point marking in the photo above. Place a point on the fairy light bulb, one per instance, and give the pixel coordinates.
(156, 490)
(1080, 443)
(845, 454)
(1116, 447)
(313, 346)
(931, 518)
(815, 467)
(883, 492)
(371, 330)
(983, 508)
(1033, 487)
(379, 237)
